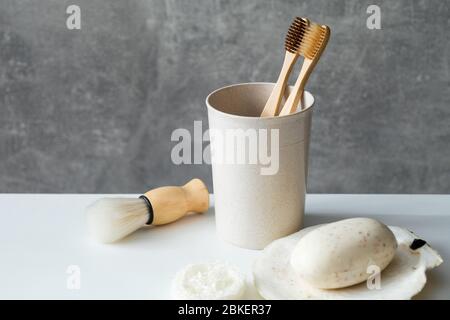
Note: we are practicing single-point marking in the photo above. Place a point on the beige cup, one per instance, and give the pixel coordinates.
(256, 203)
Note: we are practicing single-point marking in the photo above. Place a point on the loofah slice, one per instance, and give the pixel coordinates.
(208, 281)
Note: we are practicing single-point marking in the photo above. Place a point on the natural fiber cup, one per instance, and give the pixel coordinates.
(259, 165)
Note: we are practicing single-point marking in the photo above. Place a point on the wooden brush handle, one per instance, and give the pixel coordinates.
(308, 65)
(296, 94)
(273, 103)
(172, 203)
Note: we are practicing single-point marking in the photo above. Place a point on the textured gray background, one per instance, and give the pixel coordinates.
(93, 110)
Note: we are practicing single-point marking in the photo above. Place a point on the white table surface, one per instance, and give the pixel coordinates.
(41, 235)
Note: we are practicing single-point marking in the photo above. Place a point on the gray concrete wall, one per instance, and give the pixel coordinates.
(93, 110)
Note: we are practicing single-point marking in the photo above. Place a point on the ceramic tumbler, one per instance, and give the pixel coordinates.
(259, 165)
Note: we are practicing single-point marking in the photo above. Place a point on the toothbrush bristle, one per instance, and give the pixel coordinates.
(313, 40)
(296, 32)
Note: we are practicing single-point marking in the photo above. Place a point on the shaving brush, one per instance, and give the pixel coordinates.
(111, 219)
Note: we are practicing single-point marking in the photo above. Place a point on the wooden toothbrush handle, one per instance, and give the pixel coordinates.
(308, 65)
(273, 103)
(172, 203)
(296, 94)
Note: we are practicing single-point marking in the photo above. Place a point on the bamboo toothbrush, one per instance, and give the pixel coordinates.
(315, 40)
(111, 219)
(292, 44)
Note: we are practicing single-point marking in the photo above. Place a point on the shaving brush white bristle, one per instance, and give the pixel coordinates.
(111, 219)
